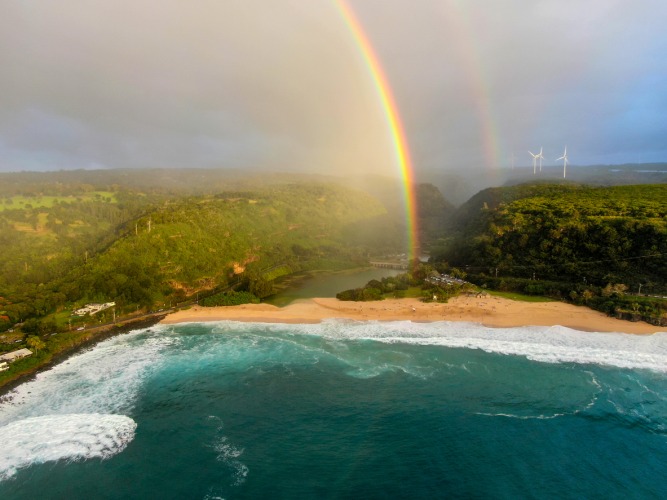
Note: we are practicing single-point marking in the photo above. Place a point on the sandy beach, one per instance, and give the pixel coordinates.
(490, 311)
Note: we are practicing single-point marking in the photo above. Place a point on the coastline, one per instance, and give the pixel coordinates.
(490, 311)
(96, 336)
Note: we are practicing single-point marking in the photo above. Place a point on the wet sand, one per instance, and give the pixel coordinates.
(489, 311)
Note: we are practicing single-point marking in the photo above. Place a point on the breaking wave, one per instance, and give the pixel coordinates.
(104, 379)
(555, 344)
(63, 437)
(75, 410)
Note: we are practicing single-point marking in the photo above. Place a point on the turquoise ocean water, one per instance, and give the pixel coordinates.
(344, 410)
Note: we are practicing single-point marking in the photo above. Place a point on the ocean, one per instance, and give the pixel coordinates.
(343, 409)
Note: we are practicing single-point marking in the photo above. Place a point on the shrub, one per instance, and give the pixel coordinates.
(229, 299)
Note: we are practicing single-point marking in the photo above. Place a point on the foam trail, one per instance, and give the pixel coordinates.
(229, 454)
(50, 438)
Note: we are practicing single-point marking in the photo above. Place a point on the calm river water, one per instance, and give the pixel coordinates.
(328, 284)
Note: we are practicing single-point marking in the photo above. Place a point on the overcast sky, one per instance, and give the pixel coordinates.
(280, 84)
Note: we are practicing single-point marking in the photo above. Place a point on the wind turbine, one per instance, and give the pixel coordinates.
(535, 157)
(564, 158)
(541, 157)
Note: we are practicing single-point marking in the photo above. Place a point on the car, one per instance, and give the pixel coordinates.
(81, 328)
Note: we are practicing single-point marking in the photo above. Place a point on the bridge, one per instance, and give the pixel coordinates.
(390, 265)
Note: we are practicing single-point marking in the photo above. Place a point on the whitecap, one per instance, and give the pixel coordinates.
(103, 379)
(72, 437)
(556, 344)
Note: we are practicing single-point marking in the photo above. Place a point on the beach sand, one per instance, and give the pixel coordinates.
(490, 311)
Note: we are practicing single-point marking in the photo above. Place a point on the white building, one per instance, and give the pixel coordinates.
(14, 355)
(93, 308)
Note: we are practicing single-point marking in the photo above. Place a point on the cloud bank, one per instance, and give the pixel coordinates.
(281, 84)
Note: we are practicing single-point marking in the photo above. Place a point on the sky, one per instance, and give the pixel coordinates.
(283, 85)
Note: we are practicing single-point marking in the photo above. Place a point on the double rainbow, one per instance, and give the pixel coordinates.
(393, 120)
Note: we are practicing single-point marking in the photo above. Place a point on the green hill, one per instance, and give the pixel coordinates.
(564, 233)
(602, 234)
(203, 243)
(98, 250)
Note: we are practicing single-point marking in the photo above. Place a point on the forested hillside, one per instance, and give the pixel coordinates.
(582, 237)
(201, 243)
(65, 245)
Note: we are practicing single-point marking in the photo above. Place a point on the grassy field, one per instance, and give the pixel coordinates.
(519, 296)
(22, 202)
(414, 292)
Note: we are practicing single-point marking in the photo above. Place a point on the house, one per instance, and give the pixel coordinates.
(93, 308)
(14, 355)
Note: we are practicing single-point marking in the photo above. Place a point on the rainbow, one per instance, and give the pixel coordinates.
(393, 120)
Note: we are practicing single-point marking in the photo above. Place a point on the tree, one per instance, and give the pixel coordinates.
(616, 289)
(35, 343)
(457, 273)
(587, 295)
(261, 288)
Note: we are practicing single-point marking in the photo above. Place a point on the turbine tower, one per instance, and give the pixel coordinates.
(564, 158)
(535, 157)
(541, 157)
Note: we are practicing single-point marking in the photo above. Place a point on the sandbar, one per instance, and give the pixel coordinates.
(490, 311)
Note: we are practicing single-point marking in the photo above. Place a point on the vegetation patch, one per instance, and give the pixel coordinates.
(230, 298)
(520, 297)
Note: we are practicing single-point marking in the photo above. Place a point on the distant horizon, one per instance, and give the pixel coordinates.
(305, 171)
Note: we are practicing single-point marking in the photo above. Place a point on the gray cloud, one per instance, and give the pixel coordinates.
(281, 84)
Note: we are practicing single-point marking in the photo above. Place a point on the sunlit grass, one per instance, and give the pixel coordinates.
(23, 202)
(519, 296)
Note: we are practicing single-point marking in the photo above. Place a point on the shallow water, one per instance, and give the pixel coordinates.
(328, 284)
(344, 409)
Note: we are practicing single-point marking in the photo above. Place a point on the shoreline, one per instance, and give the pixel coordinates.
(490, 311)
(89, 342)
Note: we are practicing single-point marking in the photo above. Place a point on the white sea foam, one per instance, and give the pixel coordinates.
(73, 411)
(62, 437)
(104, 379)
(229, 454)
(555, 344)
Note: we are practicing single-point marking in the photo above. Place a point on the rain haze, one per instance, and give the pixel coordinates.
(283, 85)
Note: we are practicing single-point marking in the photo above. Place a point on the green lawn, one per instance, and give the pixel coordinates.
(414, 292)
(519, 296)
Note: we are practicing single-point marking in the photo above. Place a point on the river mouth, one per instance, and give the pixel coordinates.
(310, 284)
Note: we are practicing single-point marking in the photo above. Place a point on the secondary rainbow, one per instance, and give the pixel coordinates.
(456, 13)
(396, 129)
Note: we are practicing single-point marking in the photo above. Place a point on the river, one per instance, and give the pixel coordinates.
(325, 284)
